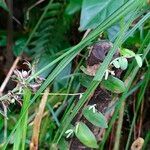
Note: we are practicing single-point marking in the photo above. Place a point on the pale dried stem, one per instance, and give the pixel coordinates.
(37, 121)
(86, 33)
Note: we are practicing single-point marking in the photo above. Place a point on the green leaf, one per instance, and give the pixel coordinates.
(3, 5)
(20, 134)
(84, 70)
(73, 7)
(116, 64)
(63, 144)
(123, 63)
(85, 80)
(113, 32)
(44, 59)
(85, 135)
(127, 53)
(61, 81)
(138, 60)
(3, 41)
(95, 12)
(18, 47)
(96, 118)
(114, 85)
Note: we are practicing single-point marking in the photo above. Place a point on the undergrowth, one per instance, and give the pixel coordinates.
(68, 95)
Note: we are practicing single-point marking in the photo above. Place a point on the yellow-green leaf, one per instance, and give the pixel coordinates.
(96, 118)
(114, 85)
(85, 135)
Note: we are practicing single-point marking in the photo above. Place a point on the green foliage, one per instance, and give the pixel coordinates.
(20, 134)
(102, 69)
(95, 117)
(138, 60)
(84, 134)
(123, 63)
(95, 12)
(120, 62)
(50, 48)
(18, 46)
(50, 38)
(114, 85)
(3, 41)
(3, 5)
(129, 54)
(130, 75)
(73, 6)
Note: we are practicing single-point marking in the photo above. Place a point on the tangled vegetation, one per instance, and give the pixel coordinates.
(74, 74)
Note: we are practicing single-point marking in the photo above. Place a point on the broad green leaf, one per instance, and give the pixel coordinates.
(96, 118)
(73, 7)
(84, 134)
(3, 5)
(114, 85)
(95, 12)
(44, 59)
(138, 60)
(61, 81)
(123, 63)
(113, 32)
(127, 53)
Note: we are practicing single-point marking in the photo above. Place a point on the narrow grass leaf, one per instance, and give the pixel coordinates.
(20, 134)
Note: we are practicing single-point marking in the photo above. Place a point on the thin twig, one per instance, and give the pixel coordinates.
(141, 119)
(9, 75)
(32, 6)
(86, 33)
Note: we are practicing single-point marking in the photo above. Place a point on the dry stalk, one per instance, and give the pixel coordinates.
(37, 121)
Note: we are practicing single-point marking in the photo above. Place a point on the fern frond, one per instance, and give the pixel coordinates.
(50, 37)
